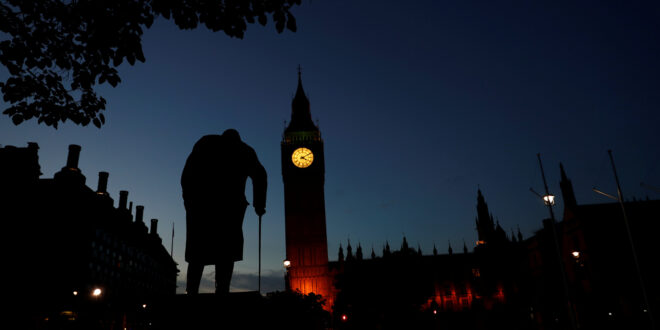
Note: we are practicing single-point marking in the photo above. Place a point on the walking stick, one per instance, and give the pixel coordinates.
(259, 254)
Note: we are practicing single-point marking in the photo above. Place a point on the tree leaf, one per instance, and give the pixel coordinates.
(82, 42)
(17, 119)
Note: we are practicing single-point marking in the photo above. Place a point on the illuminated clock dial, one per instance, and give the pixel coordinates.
(302, 157)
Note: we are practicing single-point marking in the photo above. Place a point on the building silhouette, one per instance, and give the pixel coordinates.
(406, 288)
(604, 287)
(74, 255)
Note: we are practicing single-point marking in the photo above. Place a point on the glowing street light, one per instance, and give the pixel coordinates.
(549, 199)
(75, 293)
(287, 263)
(97, 292)
(576, 254)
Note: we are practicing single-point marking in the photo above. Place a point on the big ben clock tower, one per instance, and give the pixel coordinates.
(303, 171)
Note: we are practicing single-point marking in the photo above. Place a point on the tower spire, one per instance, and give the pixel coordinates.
(349, 251)
(485, 223)
(567, 189)
(301, 116)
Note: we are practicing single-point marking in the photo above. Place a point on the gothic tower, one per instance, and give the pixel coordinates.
(303, 172)
(485, 223)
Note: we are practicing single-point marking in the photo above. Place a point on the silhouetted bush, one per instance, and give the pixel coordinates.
(293, 310)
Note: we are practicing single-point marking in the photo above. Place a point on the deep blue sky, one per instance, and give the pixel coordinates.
(418, 103)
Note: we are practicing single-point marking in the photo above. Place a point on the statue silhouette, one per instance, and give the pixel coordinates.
(213, 184)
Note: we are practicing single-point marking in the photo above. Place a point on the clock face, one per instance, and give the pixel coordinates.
(302, 157)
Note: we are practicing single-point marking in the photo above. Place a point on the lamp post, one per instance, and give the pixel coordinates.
(287, 265)
(549, 201)
(630, 240)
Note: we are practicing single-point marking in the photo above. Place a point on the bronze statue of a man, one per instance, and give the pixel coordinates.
(213, 184)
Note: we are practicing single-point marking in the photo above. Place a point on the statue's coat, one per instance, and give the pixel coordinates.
(213, 184)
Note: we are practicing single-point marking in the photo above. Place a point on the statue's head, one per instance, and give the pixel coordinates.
(232, 134)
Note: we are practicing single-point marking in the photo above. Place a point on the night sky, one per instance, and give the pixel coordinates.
(419, 104)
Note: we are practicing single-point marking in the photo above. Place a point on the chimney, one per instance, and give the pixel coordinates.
(123, 197)
(70, 174)
(103, 183)
(154, 227)
(139, 210)
(74, 155)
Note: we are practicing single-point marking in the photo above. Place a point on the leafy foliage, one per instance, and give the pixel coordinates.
(294, 310)
(58, 50)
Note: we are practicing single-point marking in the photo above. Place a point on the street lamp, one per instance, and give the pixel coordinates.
(287, 266)
(549, 200)
(97, 292)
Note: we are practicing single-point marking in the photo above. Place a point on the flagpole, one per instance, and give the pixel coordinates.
(632, 244)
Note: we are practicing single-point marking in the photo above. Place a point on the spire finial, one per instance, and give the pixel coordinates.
(299, 72)
(563, 173)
